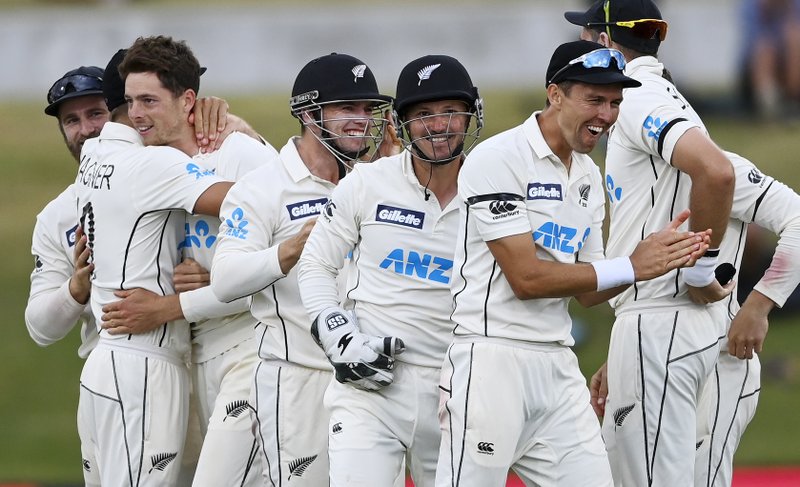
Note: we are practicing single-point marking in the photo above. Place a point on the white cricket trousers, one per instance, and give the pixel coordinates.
(372, 433)
(658, 363)
(221, 386)
(132, 418)
(726, 407)
(291, 423)
(517, 405)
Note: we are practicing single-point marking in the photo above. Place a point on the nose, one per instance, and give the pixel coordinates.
(439, 123)
(607, 113)
(88, 127)
(134, 110)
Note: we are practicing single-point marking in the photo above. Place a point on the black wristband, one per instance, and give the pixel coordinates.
(711, 253)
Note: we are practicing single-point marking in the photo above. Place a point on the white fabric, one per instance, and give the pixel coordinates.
(612, 273)
(217, 326)
(563, 213)
(291, 424)
(221, 388)
(52, 311)
(372, 433)
(524, 407)
(132, 199)
(403, 246)
(262, 210)
(645, 191)
(132, 418)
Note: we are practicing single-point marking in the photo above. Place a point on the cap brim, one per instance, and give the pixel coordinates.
(52, 109)
(577, 18)
(604, 78)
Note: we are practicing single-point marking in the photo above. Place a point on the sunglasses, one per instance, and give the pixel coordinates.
(599, 58)
(72, 84)
(642, 28)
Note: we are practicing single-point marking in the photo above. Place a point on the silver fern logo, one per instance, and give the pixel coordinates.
(235, 409)
(161, 461)
(358, 71)
(298, 467)
(425, 72)
(583, 190)
(622, 413)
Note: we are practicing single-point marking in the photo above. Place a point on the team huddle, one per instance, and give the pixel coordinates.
(389, 293)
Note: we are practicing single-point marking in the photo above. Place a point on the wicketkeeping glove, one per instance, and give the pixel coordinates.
(358, 359)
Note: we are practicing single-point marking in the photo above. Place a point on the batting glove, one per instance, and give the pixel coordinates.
(358, 359)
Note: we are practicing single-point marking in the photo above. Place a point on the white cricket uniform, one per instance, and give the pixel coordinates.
(729, 399)
(52, 311)
(663, 347)
(513, 395)
(262, 210)
(399, 285)
(132, 413)
(223, 353)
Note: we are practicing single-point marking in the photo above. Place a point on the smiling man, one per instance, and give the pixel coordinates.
(530, 237)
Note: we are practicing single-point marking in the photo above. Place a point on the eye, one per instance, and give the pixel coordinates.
(69, 121)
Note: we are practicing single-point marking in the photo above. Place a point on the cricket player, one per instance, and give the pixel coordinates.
(135, 387)
(266, 220)
(530, 237)
(223, 355)
(400, 217)
(664, 343)
(729, 399)
(60, 284)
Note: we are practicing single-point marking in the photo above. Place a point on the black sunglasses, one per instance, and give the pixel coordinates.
(72, 84)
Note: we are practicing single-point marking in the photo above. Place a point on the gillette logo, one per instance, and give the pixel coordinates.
(400, 216)
(306, 208)
(540, 191)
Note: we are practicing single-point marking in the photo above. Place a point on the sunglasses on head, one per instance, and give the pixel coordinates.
(641, 28)
(72, 84)
(599, 58)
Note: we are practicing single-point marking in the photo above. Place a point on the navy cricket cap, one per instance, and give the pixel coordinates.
(113, 86)
(83, 81)
(334, 78)
(563, 67)
(621, 10)
(434, 77)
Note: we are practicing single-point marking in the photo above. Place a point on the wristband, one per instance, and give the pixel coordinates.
(613, 272)
(702, 274)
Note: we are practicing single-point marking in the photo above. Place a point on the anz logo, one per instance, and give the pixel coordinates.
(553, 236)
(654, 126)
(197, 171)
(424, 266)
(200, 236)
(236, 225)
(614, 192)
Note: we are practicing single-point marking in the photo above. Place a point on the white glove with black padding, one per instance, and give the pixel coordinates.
(361, 360)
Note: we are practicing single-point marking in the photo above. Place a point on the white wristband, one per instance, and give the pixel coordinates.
(702, 274)
(613, 272)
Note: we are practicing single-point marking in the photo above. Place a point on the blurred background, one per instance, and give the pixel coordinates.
(737, 61)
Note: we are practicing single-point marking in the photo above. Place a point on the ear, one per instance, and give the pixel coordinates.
(189, 98)
(554, 95)
(603, 39)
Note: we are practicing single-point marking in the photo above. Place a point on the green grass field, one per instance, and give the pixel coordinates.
(40, 386)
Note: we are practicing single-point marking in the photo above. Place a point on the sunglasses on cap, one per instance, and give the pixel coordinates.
(599, 58)
(72, 84)
(642, 28)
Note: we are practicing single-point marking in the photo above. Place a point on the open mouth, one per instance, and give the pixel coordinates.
(595, 129)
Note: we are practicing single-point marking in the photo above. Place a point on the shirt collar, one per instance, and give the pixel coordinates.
(122, 132)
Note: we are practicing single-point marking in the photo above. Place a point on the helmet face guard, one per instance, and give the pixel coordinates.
(334, 80)
(316, 118)
(464, 140)
(437, 78)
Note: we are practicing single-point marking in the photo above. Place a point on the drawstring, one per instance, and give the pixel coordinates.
(430, 176)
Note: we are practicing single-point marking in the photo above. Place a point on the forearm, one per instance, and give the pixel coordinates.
(318, 288)
(710, 203)
(202, 304)
(238, 274)
(51, 315)
(783, 274)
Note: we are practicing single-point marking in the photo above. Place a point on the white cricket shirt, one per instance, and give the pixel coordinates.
(217, 326)
(52, 311)
(513, 184)
(403, 250)
(260, 211)
(131, 200)
(760, 199)
(644, 190)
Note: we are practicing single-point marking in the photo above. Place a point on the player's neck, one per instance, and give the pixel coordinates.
(317, 158)
(187, 142)
(441, 180)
